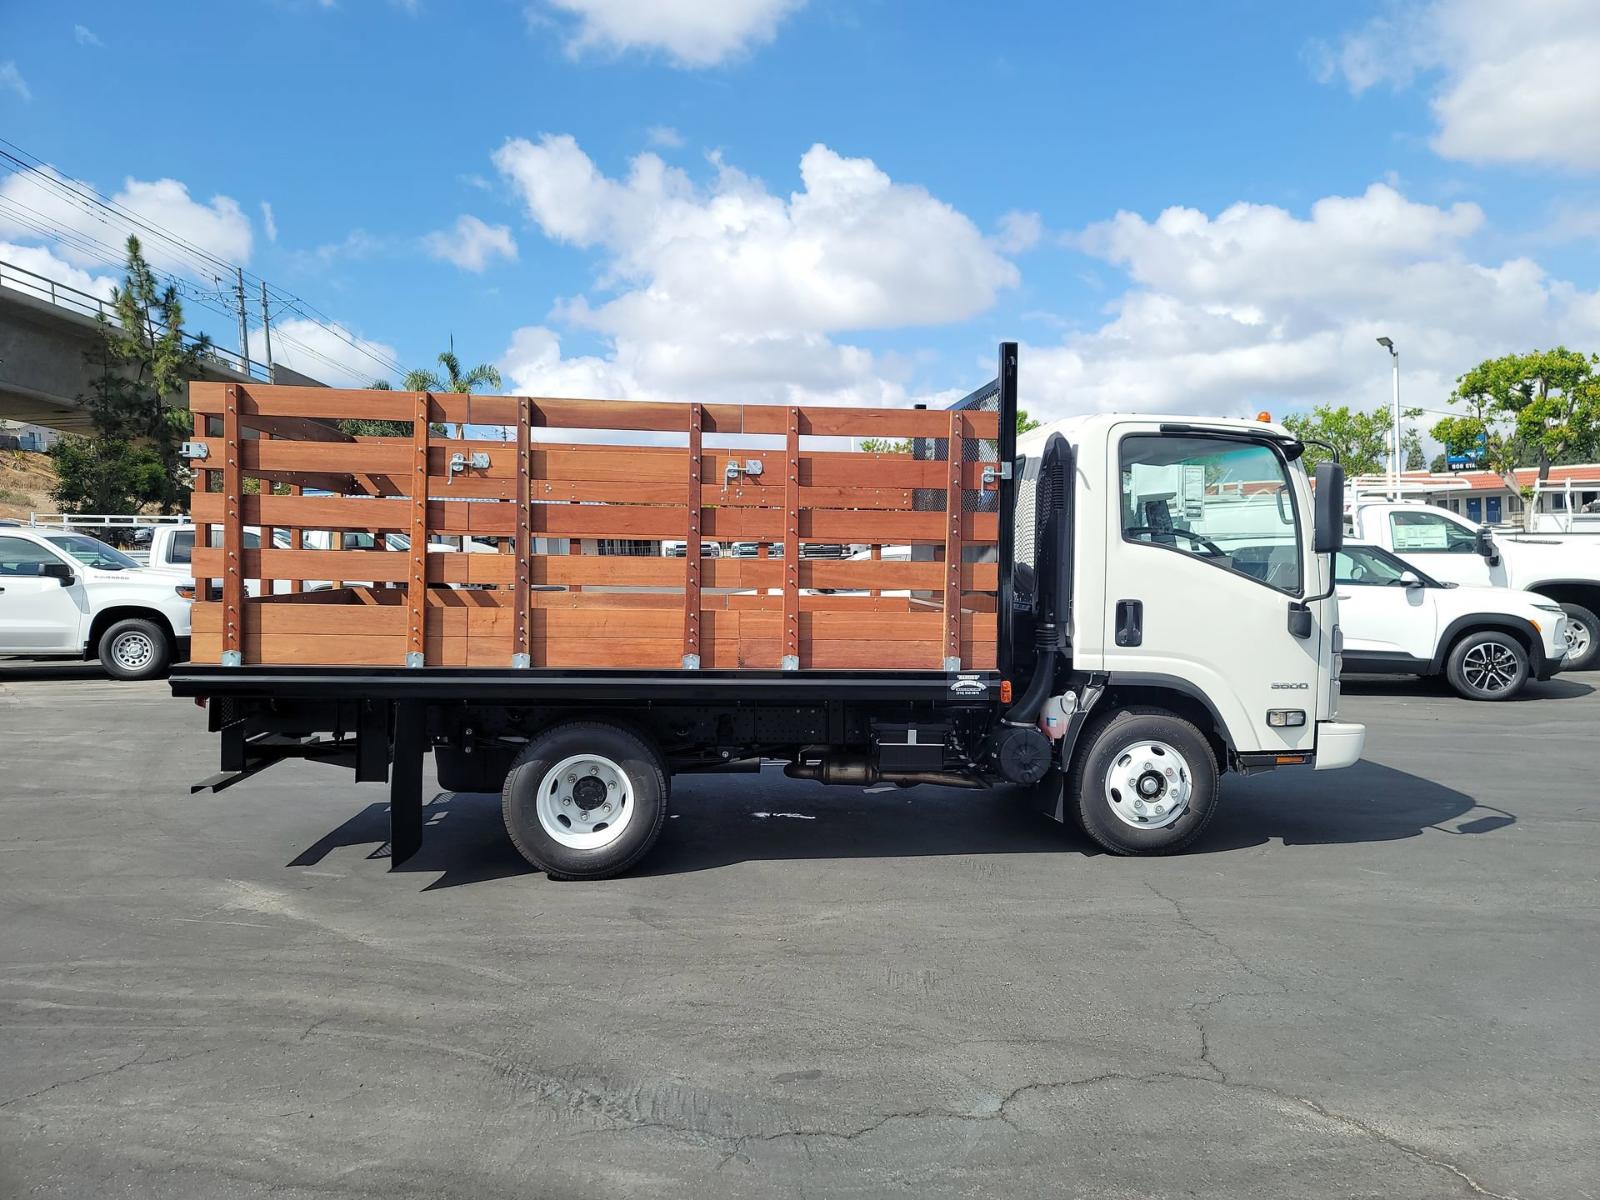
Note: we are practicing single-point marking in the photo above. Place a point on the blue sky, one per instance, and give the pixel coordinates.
(1291, 179)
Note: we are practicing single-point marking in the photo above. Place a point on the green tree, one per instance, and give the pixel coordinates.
(1522, 410)
(143, 360)
(1361, 439)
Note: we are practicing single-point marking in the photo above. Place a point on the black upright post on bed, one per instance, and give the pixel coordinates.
(1008, 502)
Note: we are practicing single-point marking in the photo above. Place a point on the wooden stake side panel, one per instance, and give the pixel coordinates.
(773, 476)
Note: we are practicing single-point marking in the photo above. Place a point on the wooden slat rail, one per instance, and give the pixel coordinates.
(539, 492)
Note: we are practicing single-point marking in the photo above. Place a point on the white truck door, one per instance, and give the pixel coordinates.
(1437, 543)
(38, 615)
(1204, 559)
(1380, 615)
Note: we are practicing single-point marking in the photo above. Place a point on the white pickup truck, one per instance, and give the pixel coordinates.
(172, 549)
(1564, 568)
(68, 595)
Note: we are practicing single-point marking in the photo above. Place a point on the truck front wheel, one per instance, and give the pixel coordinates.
(1583, 638)
(1143, 783)
(135, 649)
(585, 800)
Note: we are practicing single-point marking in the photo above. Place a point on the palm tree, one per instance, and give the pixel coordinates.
(423, 380)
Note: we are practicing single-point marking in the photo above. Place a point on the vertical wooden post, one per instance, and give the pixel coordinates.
(265, 534)
(951, 657)
(232, 534)
(202, 483)
(691, 549)
(297, 541)
(417, 577)
(521, 651)
(791, 547)
(877, 556)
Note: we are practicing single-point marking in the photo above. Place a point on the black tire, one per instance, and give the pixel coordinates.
(135, 649)
(1487, 665)
(625, 750)
(1104, 742)
(1579, 617)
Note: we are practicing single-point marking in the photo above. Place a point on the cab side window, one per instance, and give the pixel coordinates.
(1423, 532)
(19, 556)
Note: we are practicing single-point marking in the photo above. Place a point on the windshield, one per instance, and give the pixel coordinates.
(1370, 565)
(92, 552)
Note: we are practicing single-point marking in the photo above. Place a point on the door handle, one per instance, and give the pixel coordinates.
(1344, 595)
(1130, 622)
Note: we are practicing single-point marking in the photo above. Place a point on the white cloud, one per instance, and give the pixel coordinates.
(1020, 231)
(728, 286)
(1257, 307)
(665, 137)
(11, 80)
(356, 245)
(1515, 82)
(86, 36)
(330, 354)
(472, 245)
(692, 33)
(42, 262)
(269, 223)
(42, 201)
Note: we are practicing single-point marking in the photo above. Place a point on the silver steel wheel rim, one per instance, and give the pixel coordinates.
(133, 651)
(1149, 785)
(1489, 667)
(1578, 638)
(585, 802)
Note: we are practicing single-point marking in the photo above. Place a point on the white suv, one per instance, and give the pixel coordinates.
(1487, 641)
(67, 595)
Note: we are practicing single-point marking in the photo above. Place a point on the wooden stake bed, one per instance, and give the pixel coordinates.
(572, 501)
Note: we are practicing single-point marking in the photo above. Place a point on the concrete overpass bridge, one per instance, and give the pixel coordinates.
(47, 330)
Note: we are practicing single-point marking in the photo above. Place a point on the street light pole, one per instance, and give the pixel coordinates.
(1394, 457)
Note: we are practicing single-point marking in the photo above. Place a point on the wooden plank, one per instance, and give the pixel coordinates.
(417, 577)
(691, 548)
(791, 545)
(523, 546)
(953, 498)
(233, 527)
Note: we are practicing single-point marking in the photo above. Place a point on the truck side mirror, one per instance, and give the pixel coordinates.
(58, 570)
(1328, 521)
(1486, 545)
(1408, 579)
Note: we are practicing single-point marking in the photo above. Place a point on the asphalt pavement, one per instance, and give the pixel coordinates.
(1378, 982)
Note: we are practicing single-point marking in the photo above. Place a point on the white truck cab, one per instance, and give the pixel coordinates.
(1563, 568)
(1201, 590)
(1487, 641)
(68, 595)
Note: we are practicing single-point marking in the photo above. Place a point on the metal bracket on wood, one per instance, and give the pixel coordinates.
(790, 662)
(521, 662)
(691, 662)
(195, 450)
(414, 660)
(232, 658)
(952, 664)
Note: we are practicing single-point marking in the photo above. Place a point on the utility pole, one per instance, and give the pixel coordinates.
(244, 327)
(1394, 460)
(266, 324)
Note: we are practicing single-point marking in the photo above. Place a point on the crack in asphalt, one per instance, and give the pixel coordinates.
(138, 1060)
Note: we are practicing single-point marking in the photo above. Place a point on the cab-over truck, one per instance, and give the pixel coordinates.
(1081, 613)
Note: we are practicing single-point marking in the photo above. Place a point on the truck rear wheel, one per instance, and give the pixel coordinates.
(1145, 782)
(585, 800)
(135, 649)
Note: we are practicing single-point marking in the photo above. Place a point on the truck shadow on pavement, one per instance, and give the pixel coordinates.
(719, 820)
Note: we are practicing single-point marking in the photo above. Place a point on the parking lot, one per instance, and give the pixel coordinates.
(1378, 982)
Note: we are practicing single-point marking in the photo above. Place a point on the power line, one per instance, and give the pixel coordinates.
(95, 205)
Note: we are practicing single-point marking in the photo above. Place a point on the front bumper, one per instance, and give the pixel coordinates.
(1339, 744)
